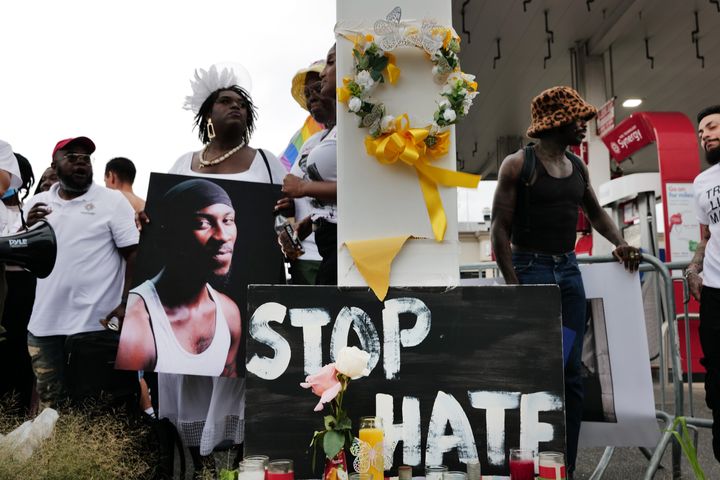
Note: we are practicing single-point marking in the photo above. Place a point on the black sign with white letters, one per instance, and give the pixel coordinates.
(458, 374)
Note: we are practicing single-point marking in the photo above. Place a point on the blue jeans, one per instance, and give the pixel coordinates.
(562, 270)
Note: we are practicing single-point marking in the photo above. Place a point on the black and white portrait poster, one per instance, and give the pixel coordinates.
(456, 374)
(206, 241)
(619, 408)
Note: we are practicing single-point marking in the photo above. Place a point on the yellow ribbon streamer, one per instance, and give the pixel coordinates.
(408, 145)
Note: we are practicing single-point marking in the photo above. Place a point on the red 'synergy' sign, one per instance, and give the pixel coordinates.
(628, 137)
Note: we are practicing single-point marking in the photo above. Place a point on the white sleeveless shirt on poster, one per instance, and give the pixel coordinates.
(171, 356)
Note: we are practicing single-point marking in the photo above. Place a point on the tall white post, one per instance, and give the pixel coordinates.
(377, 201)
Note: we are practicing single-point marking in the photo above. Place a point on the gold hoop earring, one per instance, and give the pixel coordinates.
(210, 129)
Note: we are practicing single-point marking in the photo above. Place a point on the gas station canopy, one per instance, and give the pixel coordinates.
(663, 52)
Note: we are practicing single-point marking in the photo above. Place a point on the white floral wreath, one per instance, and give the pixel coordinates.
(391, 138)
(374, 64)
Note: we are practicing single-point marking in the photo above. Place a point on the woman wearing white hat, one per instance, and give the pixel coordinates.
(209, 411)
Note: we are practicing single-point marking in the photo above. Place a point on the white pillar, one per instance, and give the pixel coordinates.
(377, 201)
(592, 87)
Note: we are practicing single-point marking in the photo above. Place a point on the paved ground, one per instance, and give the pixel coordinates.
(630, 464)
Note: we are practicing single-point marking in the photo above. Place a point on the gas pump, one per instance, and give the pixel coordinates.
(633, 197)
(632, 200)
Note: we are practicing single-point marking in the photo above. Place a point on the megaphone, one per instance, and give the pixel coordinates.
(34, 250)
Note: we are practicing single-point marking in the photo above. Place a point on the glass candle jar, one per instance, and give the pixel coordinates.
(522, 464)
(551, 466)
(435, 472)
(371, 432)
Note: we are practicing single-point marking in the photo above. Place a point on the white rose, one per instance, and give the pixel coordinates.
(448, 88)
(449, 115)
(386, 124)
(354, 104)
(352, 362)
(463, 91)
(364, 79)
(444, 103)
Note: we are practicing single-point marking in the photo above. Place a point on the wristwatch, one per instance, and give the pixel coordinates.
(688, 271)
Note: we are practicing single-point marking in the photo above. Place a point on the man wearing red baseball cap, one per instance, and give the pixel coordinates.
(71, 142)
(96, 246)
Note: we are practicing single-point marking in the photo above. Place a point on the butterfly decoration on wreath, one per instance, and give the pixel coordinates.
(367, 456)
(392, 33)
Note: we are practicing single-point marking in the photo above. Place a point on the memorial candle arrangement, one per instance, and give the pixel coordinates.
(330, 384)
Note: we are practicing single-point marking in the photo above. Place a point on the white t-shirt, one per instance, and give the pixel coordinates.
(322, 166)
(86, 283)
(707, 207)
(303, 205)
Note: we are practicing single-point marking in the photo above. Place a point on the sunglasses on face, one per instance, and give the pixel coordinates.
(75, 158)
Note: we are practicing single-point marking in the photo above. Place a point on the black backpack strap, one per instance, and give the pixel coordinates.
(267, 165)
(580, 165)
(528, 165)
(526, 176)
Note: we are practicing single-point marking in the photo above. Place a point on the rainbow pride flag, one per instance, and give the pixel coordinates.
(309, 128)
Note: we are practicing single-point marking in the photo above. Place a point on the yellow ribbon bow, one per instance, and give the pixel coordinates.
(408, 145)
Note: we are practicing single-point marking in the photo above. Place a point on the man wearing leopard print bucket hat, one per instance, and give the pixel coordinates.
(534, 217)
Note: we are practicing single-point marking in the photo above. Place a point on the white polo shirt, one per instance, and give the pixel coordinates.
(707, 207)
(86, 283)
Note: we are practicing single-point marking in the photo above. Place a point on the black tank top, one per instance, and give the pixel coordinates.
(547, 222)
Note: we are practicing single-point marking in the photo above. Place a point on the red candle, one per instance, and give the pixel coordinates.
(280, 476)
(280, 470)
(522, 469)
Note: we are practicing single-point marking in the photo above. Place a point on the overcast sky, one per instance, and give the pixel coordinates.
(118, 72)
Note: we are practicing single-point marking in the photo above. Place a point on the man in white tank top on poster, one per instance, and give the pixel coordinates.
(176, 322)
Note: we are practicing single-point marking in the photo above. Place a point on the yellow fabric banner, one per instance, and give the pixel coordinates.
(373, 259)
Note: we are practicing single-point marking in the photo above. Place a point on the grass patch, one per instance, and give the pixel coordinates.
(88, 443)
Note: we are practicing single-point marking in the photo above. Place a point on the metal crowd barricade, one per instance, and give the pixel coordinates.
(667, 325)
